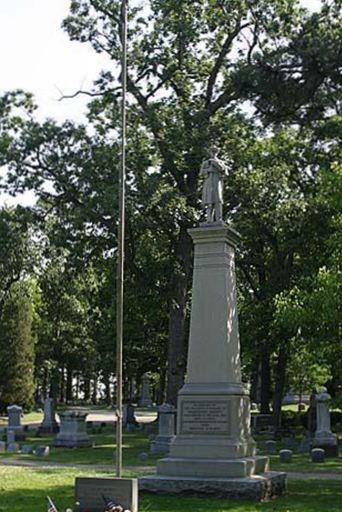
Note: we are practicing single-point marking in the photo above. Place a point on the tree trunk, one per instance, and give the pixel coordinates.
(69, 393)
(161, 387)
(265, 381)
(254, 379)
(107, 390)
(62, 387)
(94, 394)
(86, 386)
(177, 345)
(279, 385)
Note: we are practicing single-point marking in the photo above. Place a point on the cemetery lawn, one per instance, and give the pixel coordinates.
(32, 417)
(25, 490)
(138, 442)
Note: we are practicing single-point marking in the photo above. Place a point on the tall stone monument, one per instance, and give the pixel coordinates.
(145, 399)
(49, 424)
(324, 438)
(213, 451)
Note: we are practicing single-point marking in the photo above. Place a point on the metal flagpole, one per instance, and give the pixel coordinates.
(121, 247)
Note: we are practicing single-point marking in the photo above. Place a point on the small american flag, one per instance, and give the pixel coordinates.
(109, 504)
(51, 506)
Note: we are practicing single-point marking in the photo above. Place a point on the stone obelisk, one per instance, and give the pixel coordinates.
(213, 451)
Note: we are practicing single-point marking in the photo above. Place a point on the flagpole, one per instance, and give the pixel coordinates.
(121, 247)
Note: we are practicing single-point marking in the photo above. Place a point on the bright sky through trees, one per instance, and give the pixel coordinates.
(38, 56)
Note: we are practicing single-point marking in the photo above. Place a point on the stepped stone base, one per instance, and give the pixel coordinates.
(257, 488)
(214, 468)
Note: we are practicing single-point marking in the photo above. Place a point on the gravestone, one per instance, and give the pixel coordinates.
(42, 451)
(13, 448)
(26, 449)
(324, 438)
(129, 421)
(305, 444)
(2, 446)
(285, 456)
(10, 436)
(166, 429)
(14, 421)
(262, 422)
(49, 424)
(143, 457)
(73, 430)
(91, 492)
(317, 455)
(213, 450)
(145, 399)
(271, 447)
(290, 443)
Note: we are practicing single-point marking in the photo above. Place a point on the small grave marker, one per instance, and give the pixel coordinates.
(90, 493)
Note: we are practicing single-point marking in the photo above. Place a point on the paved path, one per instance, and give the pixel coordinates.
(37, 464)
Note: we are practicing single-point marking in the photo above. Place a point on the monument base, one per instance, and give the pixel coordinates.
(70, 443)
(48, 430)
(257, 488)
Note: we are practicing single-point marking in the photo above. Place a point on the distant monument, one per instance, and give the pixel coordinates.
(145, 399)
(73, 431)
(324, 438)
(213, 451)
(49, 424)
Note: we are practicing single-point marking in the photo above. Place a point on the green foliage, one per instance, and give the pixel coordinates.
(17, 340)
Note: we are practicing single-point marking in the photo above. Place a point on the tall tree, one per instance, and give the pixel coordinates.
(17, 345)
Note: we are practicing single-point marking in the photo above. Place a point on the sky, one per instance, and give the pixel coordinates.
(37, 56)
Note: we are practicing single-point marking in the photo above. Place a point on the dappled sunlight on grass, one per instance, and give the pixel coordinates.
(26, 489)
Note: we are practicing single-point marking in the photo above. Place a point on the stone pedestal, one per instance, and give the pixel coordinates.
(72, 433)
(213, 449)
(49, 424)
(324, 438)
(145, 399)
(166, 429)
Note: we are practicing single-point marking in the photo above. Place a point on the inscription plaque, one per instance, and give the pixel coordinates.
(205, 417)
(91, 492)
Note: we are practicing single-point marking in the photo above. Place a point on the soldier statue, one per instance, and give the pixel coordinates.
(212, 197)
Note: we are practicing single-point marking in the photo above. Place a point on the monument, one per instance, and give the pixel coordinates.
(145, 399)
(14, 421)
(49, 424)
(166, 429)
(73, 430)
(213, 451)
(324, 438)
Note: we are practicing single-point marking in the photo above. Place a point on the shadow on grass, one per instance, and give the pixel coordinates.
(26, 490)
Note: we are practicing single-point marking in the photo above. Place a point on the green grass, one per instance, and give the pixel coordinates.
(25, 490)
(136, 442)
(32, 417)
(103, 453)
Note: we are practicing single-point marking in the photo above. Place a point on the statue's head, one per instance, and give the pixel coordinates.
(214, 151)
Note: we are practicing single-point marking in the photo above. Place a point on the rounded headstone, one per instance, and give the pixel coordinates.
(271, 447)
(317, 455)
(285, 455)
(143, 457)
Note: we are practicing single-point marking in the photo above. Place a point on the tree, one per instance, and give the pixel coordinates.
(17, 344)
(193, 67)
